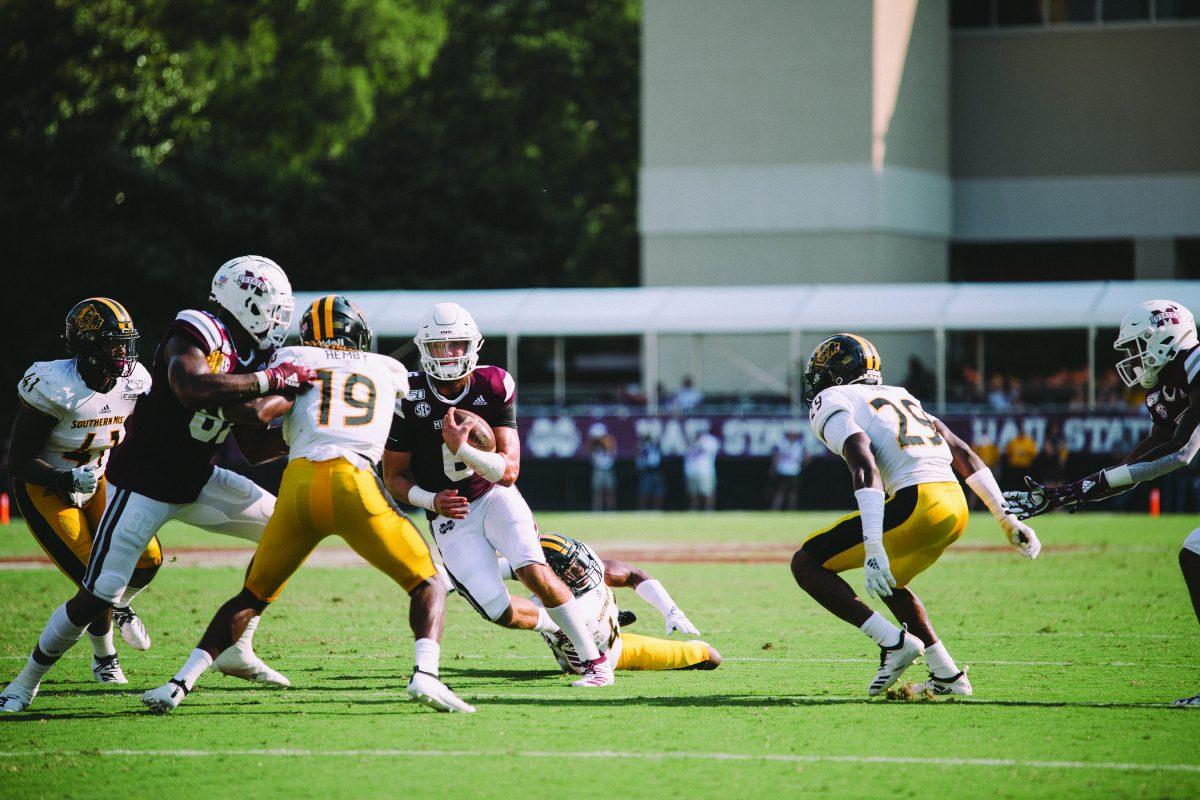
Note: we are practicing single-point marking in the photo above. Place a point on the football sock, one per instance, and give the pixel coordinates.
(653, 593)
(59, 635)
(102, 646)
(544, 624)
(939, 661)
(194, 667)
(127, 598)
(570, 618)
(884, 633)
(426, 654)
(245, 642)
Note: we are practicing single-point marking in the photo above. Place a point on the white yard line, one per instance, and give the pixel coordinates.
(784, 758)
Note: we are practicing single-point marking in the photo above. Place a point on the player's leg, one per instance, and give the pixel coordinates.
(387, 540)
(233, 505)
(650, 653)
(510, 529)
(133, 631)
(838, 548)
(1189, 564)
(64, 534)
(128, 524)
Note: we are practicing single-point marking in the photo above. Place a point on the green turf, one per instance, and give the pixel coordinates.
(1072, 659)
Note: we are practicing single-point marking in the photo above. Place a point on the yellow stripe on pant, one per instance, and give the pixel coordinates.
(649, 653)
(65, 532)
(324, 498)
(914, 539)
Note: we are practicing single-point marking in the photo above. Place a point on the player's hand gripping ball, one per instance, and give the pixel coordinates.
(461, 424)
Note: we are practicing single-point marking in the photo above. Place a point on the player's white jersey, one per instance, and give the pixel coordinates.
(906, 446)
(599, 609)
(90, 423)
(348, 411)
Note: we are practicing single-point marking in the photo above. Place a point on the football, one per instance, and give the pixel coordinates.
(481, 435)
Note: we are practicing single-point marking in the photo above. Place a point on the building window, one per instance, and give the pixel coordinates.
(1042, 261)
(993, 14)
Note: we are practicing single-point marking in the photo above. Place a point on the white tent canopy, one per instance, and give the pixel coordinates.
(774, 309)
(791, 309)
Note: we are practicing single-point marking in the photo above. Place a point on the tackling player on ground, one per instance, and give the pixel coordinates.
(1160, 353)
(72, 412)
(472, 503)
(209, 372)
(592, 580)
(336, 437)
(911, 508)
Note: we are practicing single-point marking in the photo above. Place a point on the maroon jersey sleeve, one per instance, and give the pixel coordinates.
(499, 390)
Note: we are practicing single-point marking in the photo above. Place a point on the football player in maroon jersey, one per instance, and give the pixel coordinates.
(1161, 353)
(209, 372)
(470, 497)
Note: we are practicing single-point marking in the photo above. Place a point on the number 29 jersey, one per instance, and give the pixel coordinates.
(906, 446)
(348, 411)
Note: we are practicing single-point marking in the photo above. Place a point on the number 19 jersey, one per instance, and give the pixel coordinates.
(906, 446)
(348, 411)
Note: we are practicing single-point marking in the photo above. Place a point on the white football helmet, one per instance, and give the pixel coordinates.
(257, 293)
(1151, 335)
(449, 342)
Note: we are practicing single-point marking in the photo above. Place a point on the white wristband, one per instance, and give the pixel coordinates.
(264, 383)
(983, 484)
(653, 593)
(1118, 477)
(421, 497)
(488, 465)
(870, 507)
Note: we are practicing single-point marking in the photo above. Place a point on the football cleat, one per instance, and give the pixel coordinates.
(131, 628)
(955, 685)
(1187, 702)
(107, 669)
(166, 697)
(428, 689)
(596, 673)
(15, 698)
(247, 666)
(894, 660)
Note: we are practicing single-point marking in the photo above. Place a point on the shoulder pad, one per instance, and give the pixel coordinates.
(498, 381)
(1191, 366)
(44, 388)
(828, 403)
(207, 328)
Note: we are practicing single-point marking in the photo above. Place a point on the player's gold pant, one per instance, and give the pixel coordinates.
(321, 498)
(649, 653)
(65, 532)
(919, 523)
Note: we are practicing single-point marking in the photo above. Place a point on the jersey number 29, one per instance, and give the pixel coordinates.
(910, 414)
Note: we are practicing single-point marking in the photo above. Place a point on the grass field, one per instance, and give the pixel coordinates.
(1072, 657)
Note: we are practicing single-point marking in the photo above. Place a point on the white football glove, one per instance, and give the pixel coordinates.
(676, 621)
(83, 484)
(878, 570)
(1021, 536)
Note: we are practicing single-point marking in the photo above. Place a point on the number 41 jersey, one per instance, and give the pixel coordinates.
(906, 446)
(348, 411)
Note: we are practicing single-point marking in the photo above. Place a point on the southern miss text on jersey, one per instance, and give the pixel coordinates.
(348, 412)
(1167, 401)
(907, 447)
(167, 452)
(89, 423)
(417, 427)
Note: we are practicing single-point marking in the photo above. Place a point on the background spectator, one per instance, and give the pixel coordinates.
(688, 397)
(987, 450)
(700, 471)
(786, 464)
(1050, 465)
(1019, 454)
(652, 489)
(602, 450)
(997, 397)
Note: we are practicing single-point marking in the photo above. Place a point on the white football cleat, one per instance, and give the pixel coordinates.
(16, 698)
(1187, 702)
(166, 697)
(596, 673)
(131, 628)
(428, 689)
(955, 685)
(894, 660)
(107, 669)
(247, 666)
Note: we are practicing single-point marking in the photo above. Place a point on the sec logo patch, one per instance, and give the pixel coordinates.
(422, 409)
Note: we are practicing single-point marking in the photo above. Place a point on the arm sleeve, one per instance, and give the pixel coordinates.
(400, 437)
(507, 415)
(1127, 474)
(839, 427)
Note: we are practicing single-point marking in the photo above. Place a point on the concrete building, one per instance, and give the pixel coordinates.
(862, 141)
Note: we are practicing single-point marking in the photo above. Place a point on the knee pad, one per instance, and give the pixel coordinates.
(494, 608)
(108, 586)
(1192, 542)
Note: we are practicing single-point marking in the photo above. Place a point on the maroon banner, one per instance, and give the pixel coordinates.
(759, 436)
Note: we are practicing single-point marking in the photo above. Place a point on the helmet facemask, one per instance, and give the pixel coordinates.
(449, 359)
(117, 354)
(1133, 368)
(577, 568)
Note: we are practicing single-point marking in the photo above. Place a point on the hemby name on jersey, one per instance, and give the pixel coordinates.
(97, 423)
